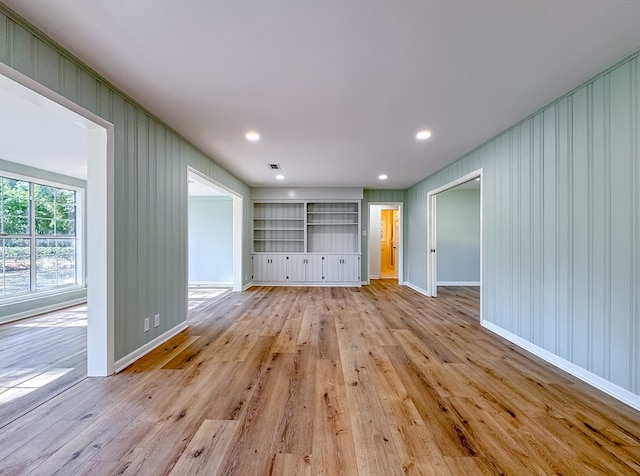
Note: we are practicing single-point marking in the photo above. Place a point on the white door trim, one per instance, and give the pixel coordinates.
(432, 285)
(392, 206)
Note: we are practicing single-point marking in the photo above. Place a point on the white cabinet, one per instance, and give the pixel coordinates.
(269, 268)
(342, 268)
(305, 268)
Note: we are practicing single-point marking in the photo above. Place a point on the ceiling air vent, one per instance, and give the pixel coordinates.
(274, 166)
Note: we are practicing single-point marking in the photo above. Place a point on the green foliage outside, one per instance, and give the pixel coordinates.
(54, 209)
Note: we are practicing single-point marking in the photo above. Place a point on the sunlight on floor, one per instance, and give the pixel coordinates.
(29, 382)
(200, 294)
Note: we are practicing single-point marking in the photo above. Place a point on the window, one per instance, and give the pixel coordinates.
(38, 240)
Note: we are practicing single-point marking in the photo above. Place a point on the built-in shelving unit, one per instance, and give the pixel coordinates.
(306, 242)
(278, 227)
(333, 227)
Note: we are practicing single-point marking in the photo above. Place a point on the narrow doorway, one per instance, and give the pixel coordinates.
(385, 241)
(388, 244)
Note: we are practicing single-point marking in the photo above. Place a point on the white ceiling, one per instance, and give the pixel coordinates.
(199, 187)
(37, 132)
(336, 88)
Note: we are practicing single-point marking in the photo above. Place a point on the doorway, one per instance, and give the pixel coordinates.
(96, 166)
(454, 241)
(385, 241)
(214, 240)
(388, 244)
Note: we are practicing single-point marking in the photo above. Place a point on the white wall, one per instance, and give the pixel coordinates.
(458, 237)
(374, 240)
(210, 240)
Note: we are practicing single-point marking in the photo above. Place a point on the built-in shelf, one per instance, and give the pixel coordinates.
(306, 227)
(306, 242)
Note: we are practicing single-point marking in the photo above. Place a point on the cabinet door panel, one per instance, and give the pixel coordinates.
(260, 271)
(314, 268)
(296, 268)
(278, 268)
(351, 268)
(332, 268)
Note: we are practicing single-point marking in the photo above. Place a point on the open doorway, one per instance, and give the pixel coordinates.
(455, 235)
(215, 244)
(385, 241)
(57, 149)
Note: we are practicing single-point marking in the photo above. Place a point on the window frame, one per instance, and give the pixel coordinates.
(32, 237)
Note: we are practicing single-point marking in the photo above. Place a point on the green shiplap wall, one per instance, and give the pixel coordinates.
(150, 187)
(371, 195)
(561, 227)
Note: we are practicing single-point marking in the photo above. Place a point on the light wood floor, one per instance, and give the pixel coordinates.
(376, 380)
(39, 358)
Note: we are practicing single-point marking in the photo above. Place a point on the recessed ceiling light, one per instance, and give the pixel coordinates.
(422, 135)
(477, 179)
(383, 177)
(280, 177)
(252, 136)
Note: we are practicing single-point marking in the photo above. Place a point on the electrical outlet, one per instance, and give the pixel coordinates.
(146, 324)
(156, 320)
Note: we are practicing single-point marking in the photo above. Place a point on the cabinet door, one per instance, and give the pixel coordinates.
(296, 268)
(269, 268)
(278, 268)
(313, 268)
(333, 268)
(260, 268)
(351, 266)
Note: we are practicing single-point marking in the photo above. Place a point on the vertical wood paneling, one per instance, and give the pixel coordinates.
(561, 227)
(621, 220)
(564, 230)
(5, 39)
(46, 67)
(599, 229)
(536, 229)
(120, 119)
(635, 215)
(23, 51)
(548, 229)
(580, 225)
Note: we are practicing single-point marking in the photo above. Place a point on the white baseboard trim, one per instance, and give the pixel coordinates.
(247, 286)
(416, 288)
(619, 393)
(318, 284)
(124, 362)
(212, 283)
(374, 276)
(458, 283)
(42, 310)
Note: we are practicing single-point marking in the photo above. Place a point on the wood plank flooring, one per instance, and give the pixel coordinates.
(39, 358)
(376, 380)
